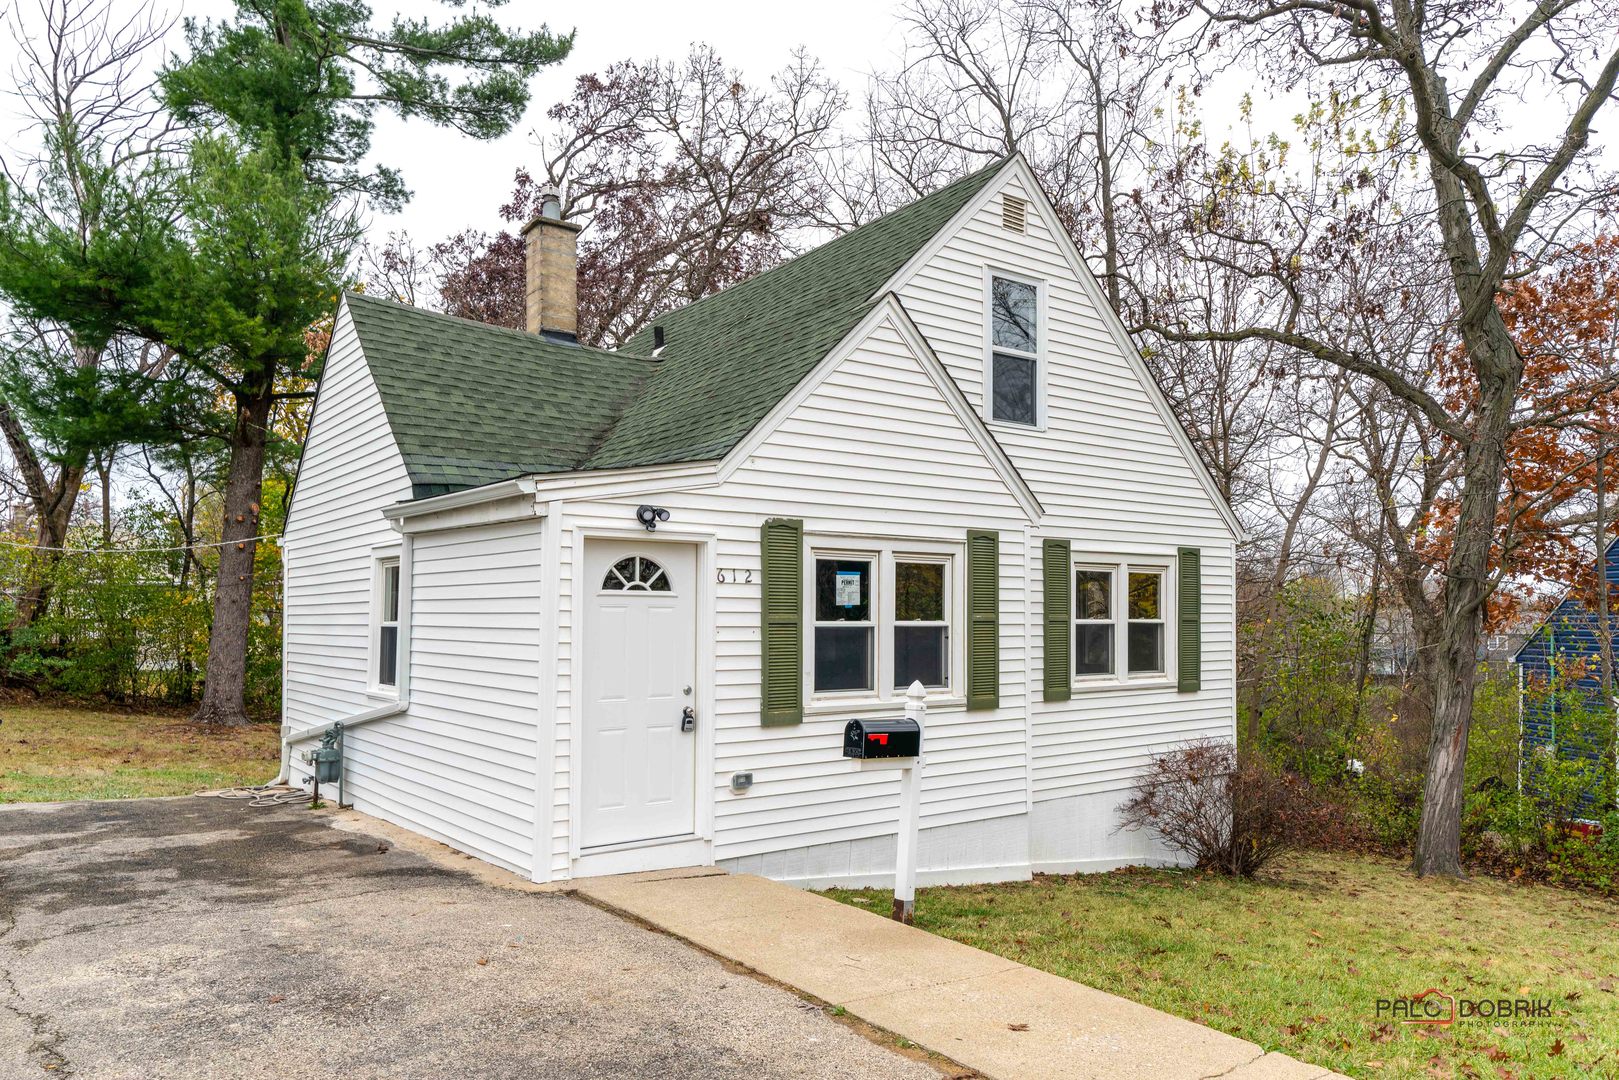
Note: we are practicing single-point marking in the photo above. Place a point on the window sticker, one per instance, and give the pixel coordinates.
(847, 588)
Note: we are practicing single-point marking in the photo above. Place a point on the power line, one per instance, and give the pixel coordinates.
(137, 551)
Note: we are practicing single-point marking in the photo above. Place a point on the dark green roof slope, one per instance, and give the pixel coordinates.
(471, 404)
(729, 358)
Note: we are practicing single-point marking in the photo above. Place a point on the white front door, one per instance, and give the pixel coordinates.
(638, 767)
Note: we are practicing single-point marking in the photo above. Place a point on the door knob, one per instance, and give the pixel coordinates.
(688, 719)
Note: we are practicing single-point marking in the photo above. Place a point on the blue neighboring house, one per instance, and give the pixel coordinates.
(1567, 635)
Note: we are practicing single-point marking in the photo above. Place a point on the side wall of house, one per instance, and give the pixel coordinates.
(351, 469)
(1116, 483)
(874, 453)
(459, 765)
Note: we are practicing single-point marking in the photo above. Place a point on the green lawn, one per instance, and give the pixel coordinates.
(49, 753)
(1298, 960)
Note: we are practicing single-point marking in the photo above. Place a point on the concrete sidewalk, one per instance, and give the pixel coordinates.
(986, 1012)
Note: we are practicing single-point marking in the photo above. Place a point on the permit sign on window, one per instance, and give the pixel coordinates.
(846, 591)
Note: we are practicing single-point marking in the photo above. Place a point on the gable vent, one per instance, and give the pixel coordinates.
(1014, 213)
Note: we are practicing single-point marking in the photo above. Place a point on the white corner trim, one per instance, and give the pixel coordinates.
(889, 310)
(1018, 167)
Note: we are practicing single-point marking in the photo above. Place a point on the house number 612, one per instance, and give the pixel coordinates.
(734, 576)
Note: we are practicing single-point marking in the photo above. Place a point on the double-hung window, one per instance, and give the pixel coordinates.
(1120, 621)
(386, 606)
(882, 619)
(1014, 374)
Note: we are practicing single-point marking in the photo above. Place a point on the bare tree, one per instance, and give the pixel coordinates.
(689, 177)
(1491, 198)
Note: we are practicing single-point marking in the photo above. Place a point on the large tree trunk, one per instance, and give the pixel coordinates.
(225, 680)
(1466, 589)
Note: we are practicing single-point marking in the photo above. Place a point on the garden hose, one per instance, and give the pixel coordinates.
(263, 795)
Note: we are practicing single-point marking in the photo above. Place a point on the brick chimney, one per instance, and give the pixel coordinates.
(551, 255)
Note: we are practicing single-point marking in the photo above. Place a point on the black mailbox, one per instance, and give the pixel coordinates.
(900, 737)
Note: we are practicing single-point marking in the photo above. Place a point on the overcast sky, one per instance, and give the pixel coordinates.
(458, 181)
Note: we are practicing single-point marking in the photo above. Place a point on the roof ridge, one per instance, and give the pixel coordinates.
(521, 335)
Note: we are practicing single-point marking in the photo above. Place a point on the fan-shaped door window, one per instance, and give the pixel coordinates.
(636, 573)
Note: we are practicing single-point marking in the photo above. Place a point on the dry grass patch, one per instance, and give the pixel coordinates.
(51, 752)
(1297, 960)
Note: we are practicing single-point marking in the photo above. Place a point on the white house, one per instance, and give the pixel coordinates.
(924, 451)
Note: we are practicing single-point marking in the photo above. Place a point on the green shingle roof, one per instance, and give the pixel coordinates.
(471, 404)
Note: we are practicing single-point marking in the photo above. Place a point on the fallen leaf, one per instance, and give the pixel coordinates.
(483, 961)
(1556, 1048)
(276, 999)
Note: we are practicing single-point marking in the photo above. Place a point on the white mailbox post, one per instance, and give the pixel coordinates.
(910, 805)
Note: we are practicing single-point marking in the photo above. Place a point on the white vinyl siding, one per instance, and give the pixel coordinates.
(1112, 478)
(459, 766)
(874, 451)
(350, 470)
(873, 458)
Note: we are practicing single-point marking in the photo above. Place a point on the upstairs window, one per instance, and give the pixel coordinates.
(1014, 360)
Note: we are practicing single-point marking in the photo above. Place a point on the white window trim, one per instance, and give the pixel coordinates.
(381, 559)
(1041, 347)
(883, 553)
(1121, 568)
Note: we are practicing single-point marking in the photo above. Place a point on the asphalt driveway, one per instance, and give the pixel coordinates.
(202, 938)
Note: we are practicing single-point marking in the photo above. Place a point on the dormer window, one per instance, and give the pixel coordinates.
(1014, 375)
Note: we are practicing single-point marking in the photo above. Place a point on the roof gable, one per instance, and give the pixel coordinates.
(1017, 169)
(891, 311)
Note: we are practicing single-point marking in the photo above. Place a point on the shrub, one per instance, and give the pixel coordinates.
(1227, 811)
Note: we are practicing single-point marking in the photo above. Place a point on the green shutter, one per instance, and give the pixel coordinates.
(1189, 620)
(781, 632)
(983, 620)
(1057, 568)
